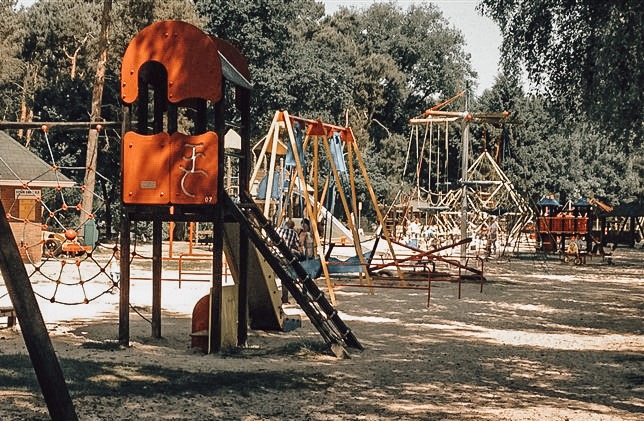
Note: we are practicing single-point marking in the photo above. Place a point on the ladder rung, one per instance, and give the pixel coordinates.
(318, 297)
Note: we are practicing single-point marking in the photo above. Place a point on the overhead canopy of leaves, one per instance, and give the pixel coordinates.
(383, 61)
(584, 55)
(374, 67)
(553, 152)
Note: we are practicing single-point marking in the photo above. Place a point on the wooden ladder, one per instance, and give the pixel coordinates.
(292, 274)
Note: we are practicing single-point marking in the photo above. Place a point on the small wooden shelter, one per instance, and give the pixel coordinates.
(24, 179)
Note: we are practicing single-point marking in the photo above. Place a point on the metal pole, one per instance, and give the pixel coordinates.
(464, 164)
(34, 332)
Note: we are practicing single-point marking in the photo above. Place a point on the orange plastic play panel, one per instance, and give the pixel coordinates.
(146, 167)
(179, 169)
(190, 57)
(194, 168)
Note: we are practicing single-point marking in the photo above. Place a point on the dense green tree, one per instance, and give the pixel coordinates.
(55, 54)
(262, 31)
(389, 65)
(411, 59)
(584, 55)
(57, 38)
(547, 151)
(50, 67)
(11, 67)
(375, 68)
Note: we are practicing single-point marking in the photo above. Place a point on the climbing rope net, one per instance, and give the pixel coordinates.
(61, 267)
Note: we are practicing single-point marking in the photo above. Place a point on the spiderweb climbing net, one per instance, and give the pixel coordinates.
(61, 268)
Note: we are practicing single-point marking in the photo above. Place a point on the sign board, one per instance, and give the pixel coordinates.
(27, 194)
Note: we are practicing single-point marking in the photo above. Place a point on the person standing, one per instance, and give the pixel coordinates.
(115, 269)
(307, 242)
(573, 247)
(413, 232)
(492, 232)
(413, 229)
(290, 237)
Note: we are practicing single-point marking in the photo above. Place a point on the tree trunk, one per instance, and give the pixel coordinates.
(97, 101)
(23, 101)
(179, 233)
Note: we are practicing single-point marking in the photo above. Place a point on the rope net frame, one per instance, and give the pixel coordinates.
(61, 268)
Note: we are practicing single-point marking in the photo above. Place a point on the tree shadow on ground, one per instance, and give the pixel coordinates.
(568, 342)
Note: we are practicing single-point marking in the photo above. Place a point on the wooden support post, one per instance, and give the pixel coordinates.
(216, 298)
(124, 283)
(191, 236)
(260, 160)
(216, 288)
(381, 220)
(316, 174)
(242, 293)
(171, 238)
(156, 278)
(313, 217)
(354, 214)
(271, 173)
(347, 210)
(244, 167)
(34, 332)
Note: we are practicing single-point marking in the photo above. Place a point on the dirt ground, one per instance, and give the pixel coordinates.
(543, 341)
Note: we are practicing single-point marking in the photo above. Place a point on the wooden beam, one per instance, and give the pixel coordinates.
(156, 278)
(419, 121)
(345, 205)
(34, 332)
(374, 201)
(79, 125)
(124, 283)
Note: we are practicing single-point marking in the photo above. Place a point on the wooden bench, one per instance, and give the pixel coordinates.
(578, 258)
(10, 314)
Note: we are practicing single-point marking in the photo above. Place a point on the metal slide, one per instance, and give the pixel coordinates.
(296, 279)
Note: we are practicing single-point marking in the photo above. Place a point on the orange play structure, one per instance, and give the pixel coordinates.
(172, 69)
(174, 85)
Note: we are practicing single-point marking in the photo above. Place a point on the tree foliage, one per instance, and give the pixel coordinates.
(584, 55)
(375, 68)
(550, 151)
(48, 63)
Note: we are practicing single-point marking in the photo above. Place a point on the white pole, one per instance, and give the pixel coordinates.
(464, 163)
